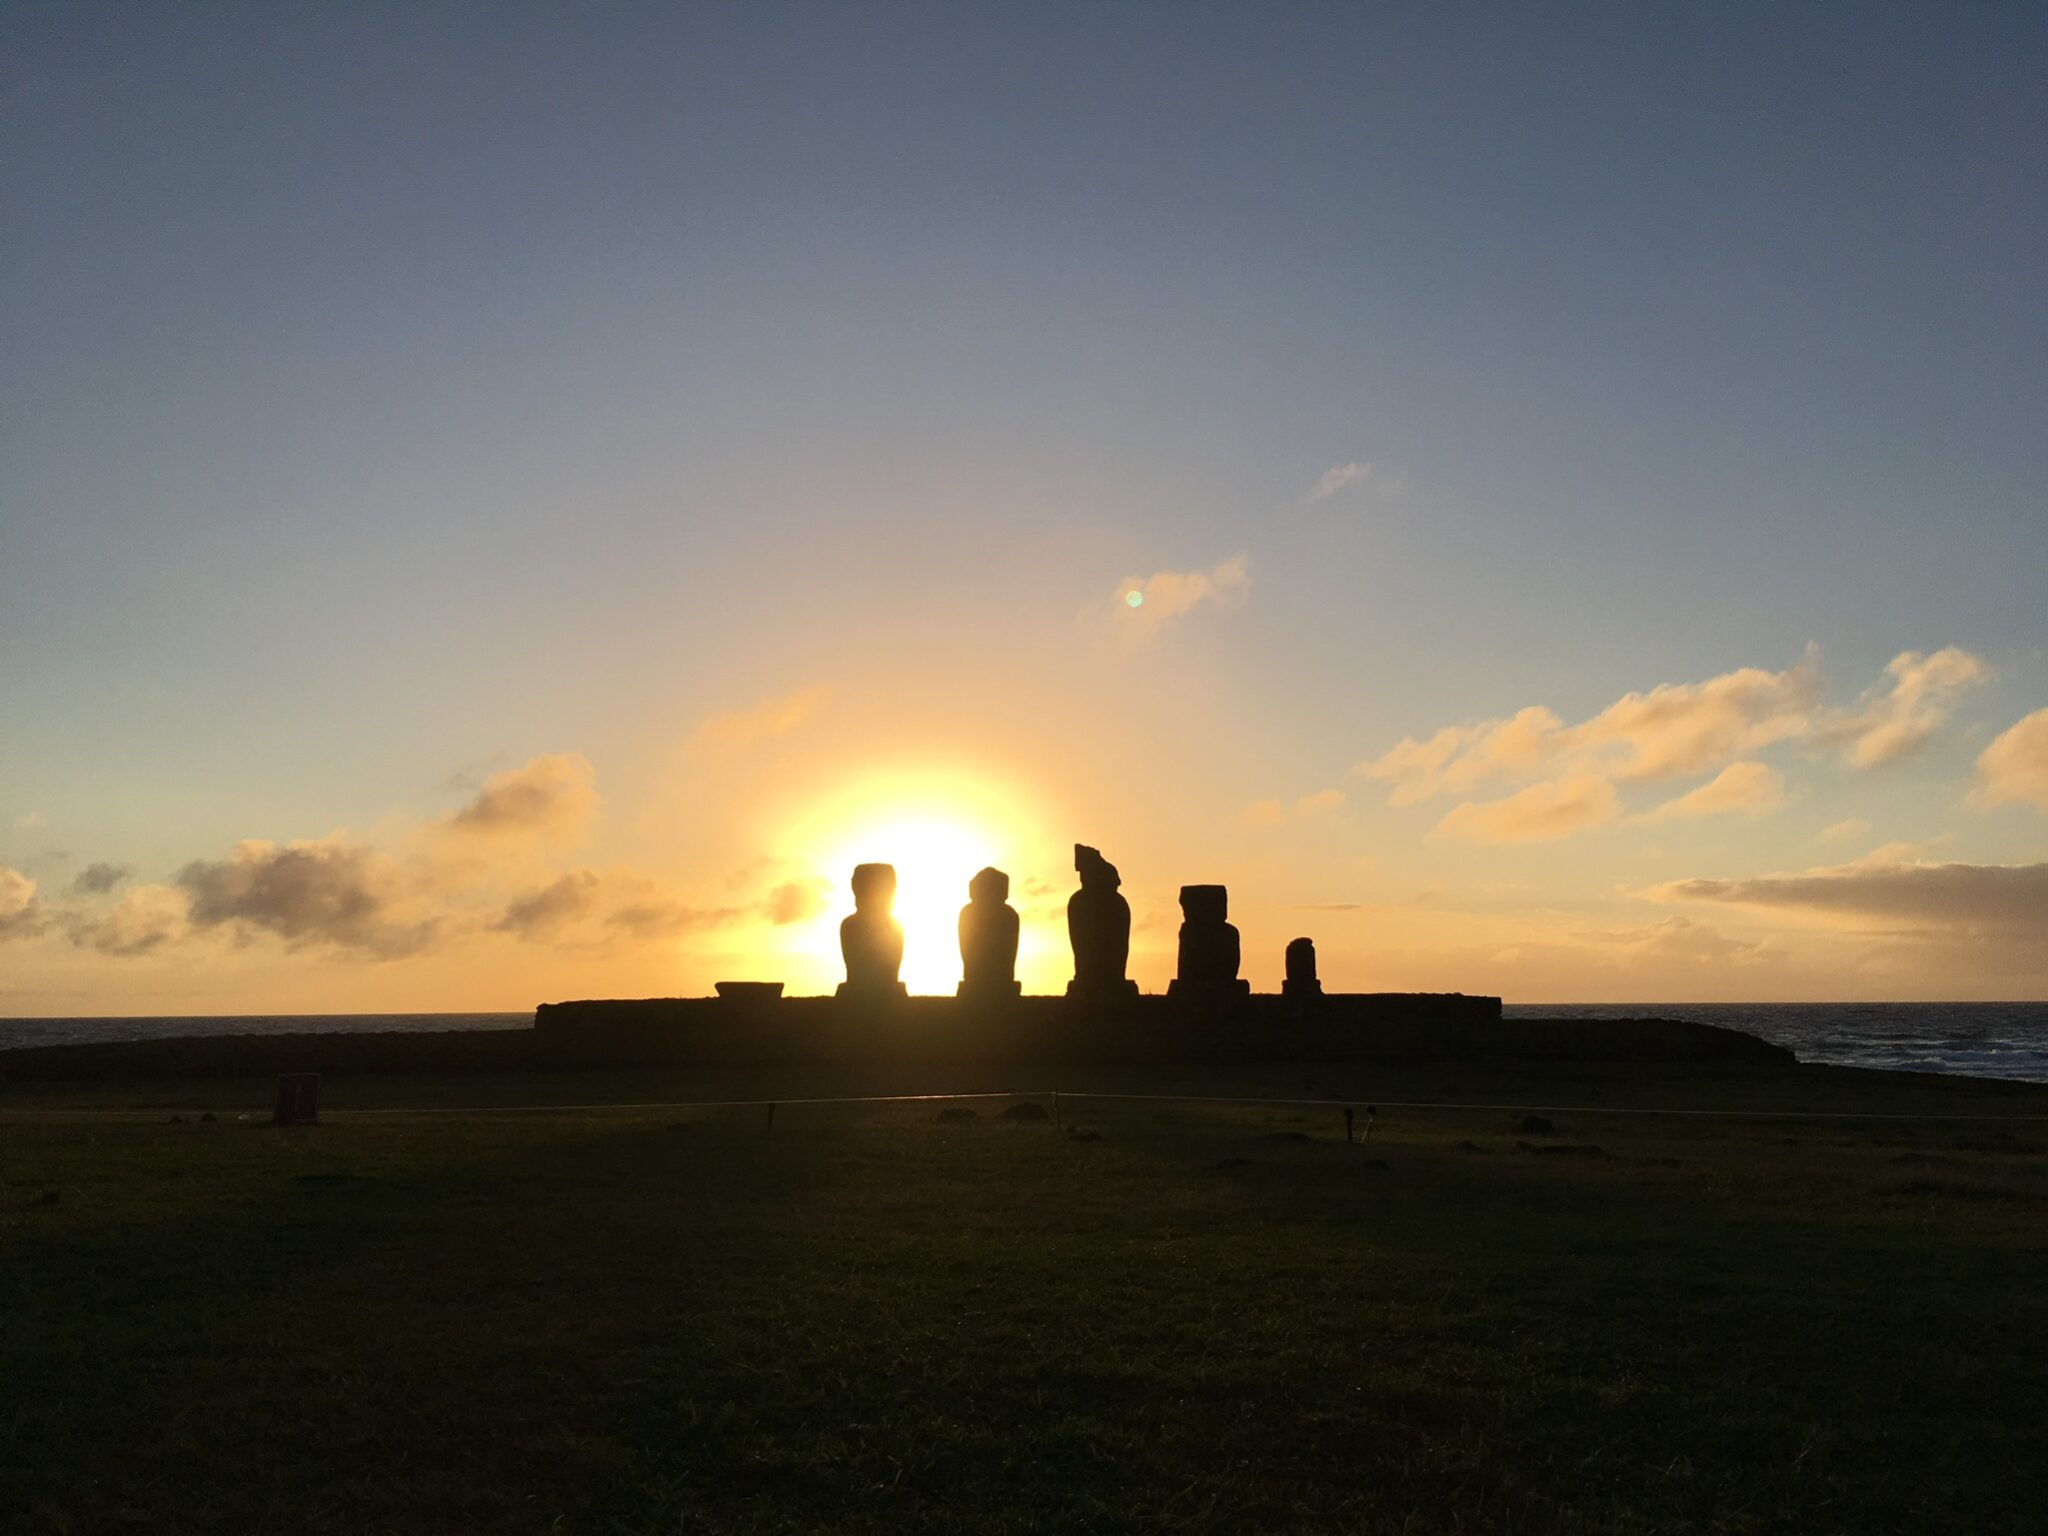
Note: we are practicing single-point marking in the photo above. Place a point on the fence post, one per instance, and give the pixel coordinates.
(771, 1117)
(1055, 1109)
(1371, 1111)
(1347, 1125)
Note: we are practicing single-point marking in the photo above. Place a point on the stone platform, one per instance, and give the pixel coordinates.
(1057, 1031)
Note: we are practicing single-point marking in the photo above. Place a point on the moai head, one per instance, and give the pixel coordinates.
(1301, 960)
(1096, 872)
(874, 888)
(991, 886)
(1205, 903)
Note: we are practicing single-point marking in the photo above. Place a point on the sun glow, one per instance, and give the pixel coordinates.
(937, 832)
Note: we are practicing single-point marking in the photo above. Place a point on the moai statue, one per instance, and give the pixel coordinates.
(1099, 926)
(1209, 951)
(988, 938)
(872, 939)
(1301, 980)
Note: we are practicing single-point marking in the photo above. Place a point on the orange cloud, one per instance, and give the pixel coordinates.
(21, 915)
(1540, 813)
(773, 717)
(1674, 730)
(2014, 768)
(1897, 717)
(1740, 789)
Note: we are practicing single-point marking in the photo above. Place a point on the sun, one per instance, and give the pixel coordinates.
(934, 858)
(937, 830)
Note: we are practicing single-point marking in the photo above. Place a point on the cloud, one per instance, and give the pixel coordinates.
(1842, 831)
(553, 907)
(99, 879)
(31, 821)
(1740, 789)
(549, 796)
(1271, 813)
(1681, 941)
(327, 892)
(775, 717)
(587, 907)
(2015, 766)
(794, 901)
(1674, 730)
(21, 915)
(1344, 477)
(1897, 717)
(146, 918)
(1145, 605)
(2010, 899)
(1683, 728)
(1540, 813)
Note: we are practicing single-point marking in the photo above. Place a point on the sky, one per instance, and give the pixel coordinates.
(504, 503)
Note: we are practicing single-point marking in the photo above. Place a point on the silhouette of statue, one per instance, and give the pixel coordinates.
(1099, 926)
(988, 938)
(1301, 970)
(1209, 951)
(872, 939)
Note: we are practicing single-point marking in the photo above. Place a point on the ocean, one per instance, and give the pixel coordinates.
(1971, 1039)
(1976, 1039)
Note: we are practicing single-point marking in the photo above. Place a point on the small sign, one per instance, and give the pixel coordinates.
(298, 1098)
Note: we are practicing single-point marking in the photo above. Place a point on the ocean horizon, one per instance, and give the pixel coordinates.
(1998, 1039)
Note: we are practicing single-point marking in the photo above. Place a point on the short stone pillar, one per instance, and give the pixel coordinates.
(1209, 947)
(871, 940)
(1099, 927)
(1301, 983)
(298, 1098)
(988, 939)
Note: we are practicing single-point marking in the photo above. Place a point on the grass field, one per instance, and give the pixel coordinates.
(1151, 1316)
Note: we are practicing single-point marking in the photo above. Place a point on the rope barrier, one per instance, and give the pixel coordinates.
(1064, 1095)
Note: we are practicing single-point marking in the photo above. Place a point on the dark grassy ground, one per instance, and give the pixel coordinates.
(1204, 1318)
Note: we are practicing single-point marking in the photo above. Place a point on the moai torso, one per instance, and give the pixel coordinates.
(1099, 927)
(1209, 949)
(1301, 970)
(871, 940)
(988, 937)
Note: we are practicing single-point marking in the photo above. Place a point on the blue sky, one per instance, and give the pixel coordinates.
(391, 396)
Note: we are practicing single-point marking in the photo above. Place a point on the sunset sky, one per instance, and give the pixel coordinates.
(509, 503)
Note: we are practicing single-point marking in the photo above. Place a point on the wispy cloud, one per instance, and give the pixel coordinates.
(1354, 477)
(1842, 831)
(1740, 789)
(1898, 716)
(2014, 768)
(1144, 605)
(1539, 814)
(772, 717)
